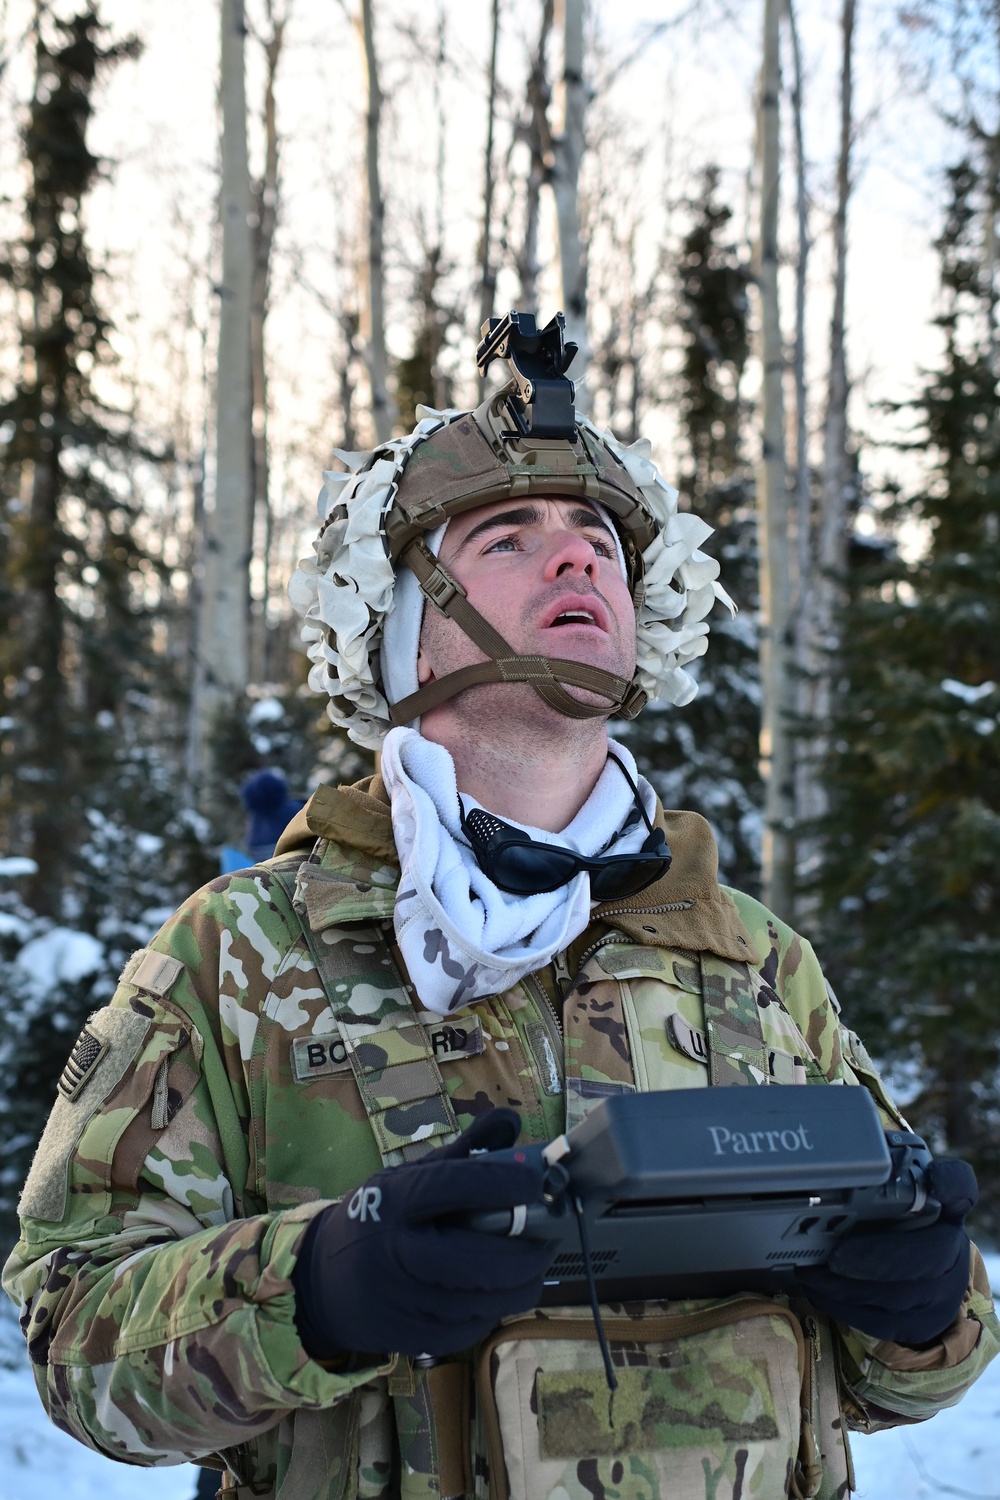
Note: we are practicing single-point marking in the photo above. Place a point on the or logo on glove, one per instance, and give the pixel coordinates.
(364, 1205)
(899, 1284)
(388, 1269)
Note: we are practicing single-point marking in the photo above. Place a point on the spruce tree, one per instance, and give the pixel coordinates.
(911, 882)
(99, 846)
(75, 637)
(705, 756)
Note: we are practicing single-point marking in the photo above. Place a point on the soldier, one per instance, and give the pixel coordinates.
(239, 1239)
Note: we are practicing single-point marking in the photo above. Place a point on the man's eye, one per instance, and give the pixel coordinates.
(503, 544)
(600, 546)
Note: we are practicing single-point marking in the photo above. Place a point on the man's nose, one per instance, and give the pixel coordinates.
(569, 552)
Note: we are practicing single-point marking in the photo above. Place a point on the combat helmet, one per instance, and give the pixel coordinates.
(526, 439)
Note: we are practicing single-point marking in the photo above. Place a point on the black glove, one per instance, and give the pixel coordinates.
(375, 1271)
(902, 1284)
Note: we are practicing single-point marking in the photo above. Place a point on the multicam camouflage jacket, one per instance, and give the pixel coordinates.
(266, 1054)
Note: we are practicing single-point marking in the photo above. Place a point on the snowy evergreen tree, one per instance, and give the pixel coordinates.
(705, 756)
(911, 882)
(97, 840)
(75, 634)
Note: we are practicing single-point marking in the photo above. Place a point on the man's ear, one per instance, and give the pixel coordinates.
(425, 672)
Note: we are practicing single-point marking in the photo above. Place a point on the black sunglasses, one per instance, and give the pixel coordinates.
(516, 863)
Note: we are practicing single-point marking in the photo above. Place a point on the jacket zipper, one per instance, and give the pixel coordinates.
(549, 1013)
(620, 937)
(564, 979)
(646, 911)
(609, 937)
(654, 1330)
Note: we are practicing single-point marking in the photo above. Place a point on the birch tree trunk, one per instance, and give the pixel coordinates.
(373, 271)
(265, 200)
(224, 640)
(804, 588)
(568, 149)
(487, 269)
(435, 314)
(837, 480)
(803, 507)
(990, 209)
(538, 136)
(349, 323)
(776, 748)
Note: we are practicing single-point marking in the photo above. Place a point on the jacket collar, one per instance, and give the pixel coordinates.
(353, 872)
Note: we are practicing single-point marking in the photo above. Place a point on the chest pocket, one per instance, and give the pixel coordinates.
(694, 1019)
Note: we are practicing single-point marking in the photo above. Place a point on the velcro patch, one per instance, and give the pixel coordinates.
(655, 1411)
(156, 973)
(87, 1052)
(632, 962)
(545, 1057)
(120, 1034)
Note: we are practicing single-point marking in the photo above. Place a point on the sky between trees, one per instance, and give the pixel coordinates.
(677, 99)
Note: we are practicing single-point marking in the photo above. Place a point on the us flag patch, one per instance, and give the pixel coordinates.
(86, 1054)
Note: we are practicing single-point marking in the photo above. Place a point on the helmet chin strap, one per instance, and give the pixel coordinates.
(545, 674)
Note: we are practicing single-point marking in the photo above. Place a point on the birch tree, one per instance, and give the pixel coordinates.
(536, 134)
(373, 268)
(776, 747)
(264, 193)
(74, 634)
(223, 660)
(836, 460)
(487, 266)
(567, 155)
(807, 779)
(823, 556)
(803, 495)
(421, 377)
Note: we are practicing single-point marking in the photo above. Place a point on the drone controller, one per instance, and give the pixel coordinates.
(704, 1192)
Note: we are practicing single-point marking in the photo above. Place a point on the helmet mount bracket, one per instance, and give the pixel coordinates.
(541, 402)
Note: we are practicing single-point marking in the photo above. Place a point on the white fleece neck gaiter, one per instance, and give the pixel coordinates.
(461, 937)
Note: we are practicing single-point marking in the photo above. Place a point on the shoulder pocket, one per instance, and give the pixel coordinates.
(109, 1076)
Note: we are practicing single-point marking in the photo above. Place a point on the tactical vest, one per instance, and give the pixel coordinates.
(520, 1443)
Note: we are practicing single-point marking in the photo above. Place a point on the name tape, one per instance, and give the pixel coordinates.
(325, 1055)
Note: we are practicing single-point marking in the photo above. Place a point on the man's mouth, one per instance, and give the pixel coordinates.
(576, 612)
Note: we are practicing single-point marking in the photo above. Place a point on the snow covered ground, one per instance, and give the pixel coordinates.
(958, 1454)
